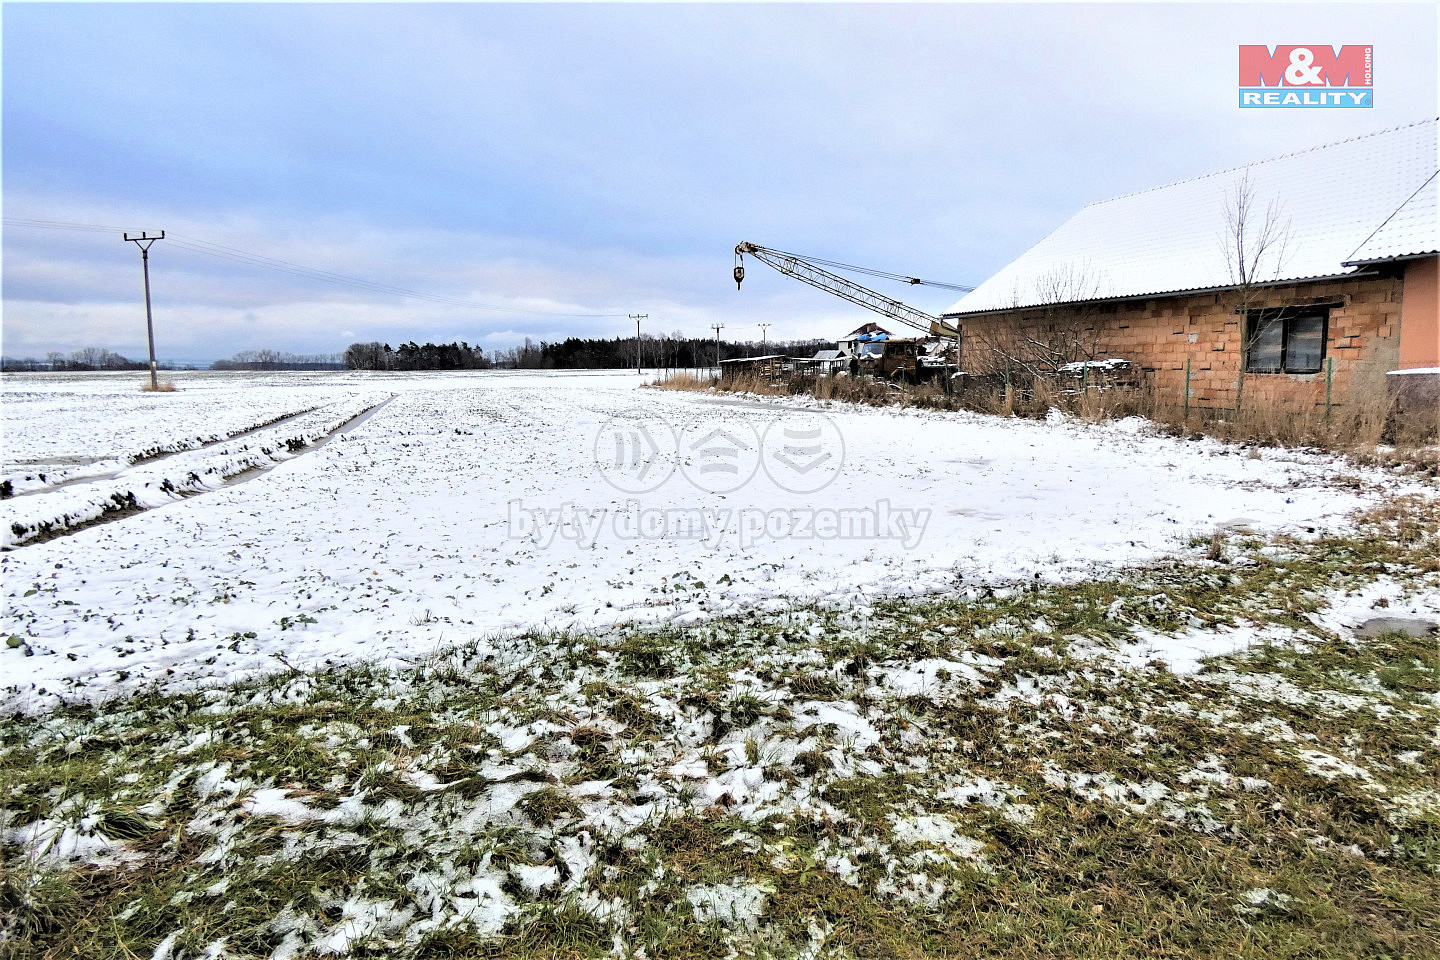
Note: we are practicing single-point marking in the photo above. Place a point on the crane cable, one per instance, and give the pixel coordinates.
(870, 271)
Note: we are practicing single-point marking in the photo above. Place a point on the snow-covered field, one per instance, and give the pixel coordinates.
(636, 669)
(472, 505)
(62, 427)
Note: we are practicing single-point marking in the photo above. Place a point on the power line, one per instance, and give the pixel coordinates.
(284, 266)
(221, 251)
(58, 225)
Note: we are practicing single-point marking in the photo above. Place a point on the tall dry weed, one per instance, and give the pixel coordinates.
(1362, 424)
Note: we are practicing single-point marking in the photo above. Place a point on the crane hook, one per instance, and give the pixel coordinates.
(739, 268)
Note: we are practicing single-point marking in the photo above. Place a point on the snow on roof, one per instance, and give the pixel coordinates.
(868, 327)
(1333, 198)
(1410, 232)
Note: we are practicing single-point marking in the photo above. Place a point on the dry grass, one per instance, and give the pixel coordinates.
(162, 386)
(1123, 810)
(683, 381)
(1361, 422)
(1365, 426)
(753, 383)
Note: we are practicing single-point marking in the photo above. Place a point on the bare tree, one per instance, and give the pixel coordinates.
(1056, 329)
(1255, 244)
(88, 358)
(366, 356)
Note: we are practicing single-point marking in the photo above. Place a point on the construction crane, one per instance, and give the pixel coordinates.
(811, 271)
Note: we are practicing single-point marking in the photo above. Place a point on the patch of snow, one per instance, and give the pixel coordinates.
(535, 879)
(938, 831)
(735, 905)
(1330, 767)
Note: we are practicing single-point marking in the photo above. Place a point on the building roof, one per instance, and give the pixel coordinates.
(1410, 232)
(1358, 200)
(769, 356)
(868, 327)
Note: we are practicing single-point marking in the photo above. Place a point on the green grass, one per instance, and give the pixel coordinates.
(1085, 807)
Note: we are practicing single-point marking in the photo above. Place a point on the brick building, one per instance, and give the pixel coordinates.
(1338, 287)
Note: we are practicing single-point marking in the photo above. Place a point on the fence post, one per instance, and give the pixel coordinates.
(1187, 388)
(1329, 377)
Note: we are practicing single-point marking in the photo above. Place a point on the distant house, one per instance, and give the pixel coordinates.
(1345, 290)
(826, 361)
(857, 342)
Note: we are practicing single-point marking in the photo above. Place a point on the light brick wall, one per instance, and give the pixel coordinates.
(1161, 334)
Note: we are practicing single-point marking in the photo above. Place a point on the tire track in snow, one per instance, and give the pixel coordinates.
(46, 521)
(128, 462)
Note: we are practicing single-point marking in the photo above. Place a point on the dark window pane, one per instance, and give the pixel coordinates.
(1305, 344)
(1267, 340)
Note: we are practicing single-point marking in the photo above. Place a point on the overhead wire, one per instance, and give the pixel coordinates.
(58, 225)
(208, 248)
(221, 251)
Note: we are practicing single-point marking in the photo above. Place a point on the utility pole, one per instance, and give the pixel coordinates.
(637, 317)
(144, 242)
(718, 327)
(764, 336)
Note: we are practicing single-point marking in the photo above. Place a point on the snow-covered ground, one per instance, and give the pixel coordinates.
(478, 504)
(62, 427)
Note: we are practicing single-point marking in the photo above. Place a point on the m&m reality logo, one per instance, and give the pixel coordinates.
(1309, 76)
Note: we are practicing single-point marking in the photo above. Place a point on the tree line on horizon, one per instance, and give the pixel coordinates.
(279, 360)
(97, 359)
(87, 360)
(676, 352)
(375, 355)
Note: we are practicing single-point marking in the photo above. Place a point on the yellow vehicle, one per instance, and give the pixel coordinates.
(893, 358)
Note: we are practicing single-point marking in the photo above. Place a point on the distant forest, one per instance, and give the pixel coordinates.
(93, 359)
(675, 353)
(276, 360)
(414, 356)
(83, 361)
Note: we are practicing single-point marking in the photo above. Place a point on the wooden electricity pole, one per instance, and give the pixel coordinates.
(718, 327)
(637, 317)
(144, 241)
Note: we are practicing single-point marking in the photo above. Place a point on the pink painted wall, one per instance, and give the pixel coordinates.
(1420, 315)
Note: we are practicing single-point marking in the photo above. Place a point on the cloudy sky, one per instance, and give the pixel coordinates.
(544, 170)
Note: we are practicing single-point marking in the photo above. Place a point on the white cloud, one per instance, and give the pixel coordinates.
(605, 159)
